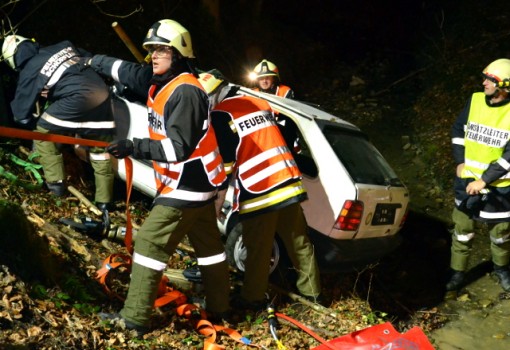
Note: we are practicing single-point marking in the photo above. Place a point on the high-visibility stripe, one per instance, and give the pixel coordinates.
(99, 156)
(266, 172)
(273, 198)
(148, 262)
(228, 167)
(188, 195)
(464, 237)
(115, 70)
(211, 260)
(501, 240)
(504, 163)
(55, 77)
(78, 125)
(169, 150)
(475, 164)
(259, 158)
(497, 215)
(458, 141)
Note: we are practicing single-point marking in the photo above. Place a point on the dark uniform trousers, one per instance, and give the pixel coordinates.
(462, 241)
(52, 162)
(156, 241)
(258, 235)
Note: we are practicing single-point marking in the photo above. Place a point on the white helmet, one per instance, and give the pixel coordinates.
(266, 69)
(498, 72)
(170, 33)
(9, 48)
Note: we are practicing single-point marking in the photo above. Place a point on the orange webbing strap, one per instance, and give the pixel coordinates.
(34, 135)
(114, 261)
(304, 328)
(167, 294)
(128, 238)
(209, 330)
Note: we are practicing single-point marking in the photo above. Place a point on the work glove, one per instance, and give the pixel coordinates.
(120, 148)
(84, 63)
(28, 123)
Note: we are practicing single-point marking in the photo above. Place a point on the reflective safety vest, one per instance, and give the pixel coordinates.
(168, 174)
(263, 161)
(486, 135)
(281, 90)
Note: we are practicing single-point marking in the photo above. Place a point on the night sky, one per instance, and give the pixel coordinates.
(312, 42)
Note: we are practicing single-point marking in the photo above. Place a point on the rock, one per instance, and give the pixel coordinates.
(499, 336)
(485, 303)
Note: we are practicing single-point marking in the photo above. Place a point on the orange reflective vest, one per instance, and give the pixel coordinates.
(281, 90)
(167, 174)
(266, 172)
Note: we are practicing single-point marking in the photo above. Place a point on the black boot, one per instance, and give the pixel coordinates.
(109, 206)
(503, 274)
(456, 281)
(58, 189)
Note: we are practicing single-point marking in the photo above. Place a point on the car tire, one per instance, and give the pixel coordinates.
(236, 251)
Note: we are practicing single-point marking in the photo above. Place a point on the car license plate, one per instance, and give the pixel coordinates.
(385, 214)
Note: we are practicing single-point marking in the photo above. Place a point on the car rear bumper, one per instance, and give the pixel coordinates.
(337, 255)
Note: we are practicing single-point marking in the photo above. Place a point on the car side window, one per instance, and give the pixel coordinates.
(303, 156)
(297, 145)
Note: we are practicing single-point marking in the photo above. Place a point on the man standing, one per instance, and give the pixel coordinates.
(77, 101)
(268, 190)
(187, 168)
(481, 150)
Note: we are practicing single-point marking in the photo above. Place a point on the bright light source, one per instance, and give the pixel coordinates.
(252, 76)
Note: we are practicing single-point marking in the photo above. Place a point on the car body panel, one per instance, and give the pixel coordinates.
(329, 183)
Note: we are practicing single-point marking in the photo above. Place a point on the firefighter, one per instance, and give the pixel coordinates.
(77, 101)
(268, 80)
(481, 150)
(187, 168)
(268, 190)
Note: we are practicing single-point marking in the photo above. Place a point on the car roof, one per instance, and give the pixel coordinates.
(299, 108)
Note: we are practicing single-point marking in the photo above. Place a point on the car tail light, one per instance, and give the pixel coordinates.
(350, 216)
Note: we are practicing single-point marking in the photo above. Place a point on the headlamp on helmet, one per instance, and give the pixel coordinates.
(266, 69)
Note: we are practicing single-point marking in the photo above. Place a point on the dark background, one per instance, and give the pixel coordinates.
(317, 43)
(398, 48)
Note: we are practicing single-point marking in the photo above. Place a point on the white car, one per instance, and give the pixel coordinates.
(356, 206)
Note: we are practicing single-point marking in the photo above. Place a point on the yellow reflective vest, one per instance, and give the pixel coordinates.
(486, 135)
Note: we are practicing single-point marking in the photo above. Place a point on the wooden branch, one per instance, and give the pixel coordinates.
(186, 248)
(84, 200)
(176, 277)
(304, 301)
(64, 240)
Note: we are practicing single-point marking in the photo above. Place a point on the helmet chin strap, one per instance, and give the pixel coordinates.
(496, 93)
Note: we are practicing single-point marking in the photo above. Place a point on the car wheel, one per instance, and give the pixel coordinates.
(236, 251)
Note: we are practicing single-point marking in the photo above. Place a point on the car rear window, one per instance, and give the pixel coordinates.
(359, 156)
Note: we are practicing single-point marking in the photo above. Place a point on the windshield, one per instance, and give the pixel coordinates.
(360, 157)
